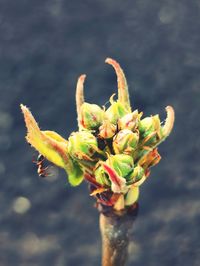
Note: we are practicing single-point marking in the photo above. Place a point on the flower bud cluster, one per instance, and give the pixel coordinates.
(113, 149)
(122, 164)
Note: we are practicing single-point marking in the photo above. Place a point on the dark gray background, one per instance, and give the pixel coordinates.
(44, 47)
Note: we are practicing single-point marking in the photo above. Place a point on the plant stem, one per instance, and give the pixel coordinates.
(115, 231)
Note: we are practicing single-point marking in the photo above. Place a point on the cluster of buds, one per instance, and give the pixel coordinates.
(113, 149)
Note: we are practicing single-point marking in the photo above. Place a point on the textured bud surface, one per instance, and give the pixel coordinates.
(129, 121)
(121, 163)
(91, 116)
(125, 141)
(116, 111)
(82, 145)
(107, 130)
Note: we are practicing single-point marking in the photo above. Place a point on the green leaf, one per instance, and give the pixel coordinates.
(75, 177)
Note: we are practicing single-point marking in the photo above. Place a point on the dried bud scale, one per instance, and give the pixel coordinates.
(113, 149)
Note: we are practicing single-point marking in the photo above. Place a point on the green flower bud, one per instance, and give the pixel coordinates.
(125, 141)
(138, 176)
(129, 121)
(150, 130)
(82, 145)
(101, 176)
(116, 111)
(146, 124)
(118, 183)
(123, 164)
(91, 116)
(107, 130)
(114, 171)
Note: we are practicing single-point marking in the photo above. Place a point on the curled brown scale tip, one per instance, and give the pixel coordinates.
(123, 94)
(169, 122)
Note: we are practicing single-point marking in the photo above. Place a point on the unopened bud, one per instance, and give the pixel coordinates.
(116, 111)
(125, 141)
(101, 176)
(123, 164)
(82, 145)
(107, 130)
(118, 183)
(150, 130)
(91, 116)
(129, 121)
(138, 176)
(146, 124)
(114, 171)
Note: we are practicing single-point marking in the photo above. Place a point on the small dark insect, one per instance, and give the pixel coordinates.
(42, 169)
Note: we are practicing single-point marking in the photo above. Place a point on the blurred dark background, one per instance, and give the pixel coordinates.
(44, 47)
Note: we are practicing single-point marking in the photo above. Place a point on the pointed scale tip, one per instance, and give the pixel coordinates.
(27, 115)
(30, 122)
(23, 107)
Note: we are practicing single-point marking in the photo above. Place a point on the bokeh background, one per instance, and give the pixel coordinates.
(44, 46)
